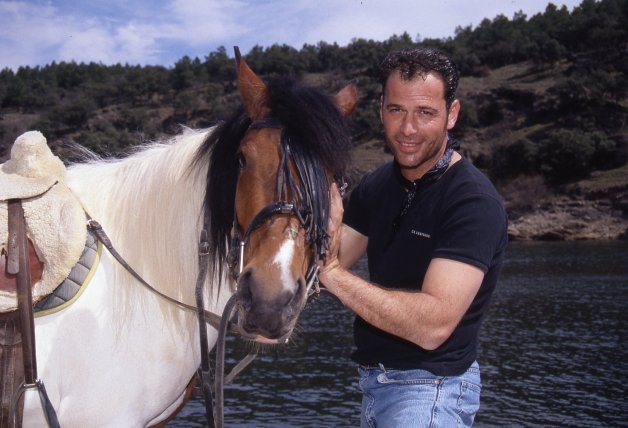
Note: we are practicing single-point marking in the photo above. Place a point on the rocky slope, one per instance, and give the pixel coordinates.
(571, 218)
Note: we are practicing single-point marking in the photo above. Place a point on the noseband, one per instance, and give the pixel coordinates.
(301, 207)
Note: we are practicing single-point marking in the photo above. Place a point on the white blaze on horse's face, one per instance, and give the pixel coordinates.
(284, 256)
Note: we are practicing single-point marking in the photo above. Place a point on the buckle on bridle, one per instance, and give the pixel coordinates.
(203, 244)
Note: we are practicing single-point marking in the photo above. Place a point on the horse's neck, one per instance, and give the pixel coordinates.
(150, 205)
(154, 173)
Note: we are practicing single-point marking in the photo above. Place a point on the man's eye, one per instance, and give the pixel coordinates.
(241, 160)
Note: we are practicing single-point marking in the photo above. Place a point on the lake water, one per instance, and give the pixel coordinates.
(553, 351)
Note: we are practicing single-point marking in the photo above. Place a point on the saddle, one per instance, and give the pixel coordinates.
(55, 219)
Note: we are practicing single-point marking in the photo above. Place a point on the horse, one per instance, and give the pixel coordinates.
(258, 184)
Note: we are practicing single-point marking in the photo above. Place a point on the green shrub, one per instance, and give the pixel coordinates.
(520, 157)
(566, 155)
(72, 114)
(606, 154)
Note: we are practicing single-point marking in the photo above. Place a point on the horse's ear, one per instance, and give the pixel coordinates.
(253, 91)
(346, 99)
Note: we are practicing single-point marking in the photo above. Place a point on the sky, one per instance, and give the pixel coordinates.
(160, 32)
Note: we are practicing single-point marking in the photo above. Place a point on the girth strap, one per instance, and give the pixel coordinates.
(18, 264)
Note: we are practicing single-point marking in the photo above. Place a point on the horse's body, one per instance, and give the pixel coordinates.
(122, 356)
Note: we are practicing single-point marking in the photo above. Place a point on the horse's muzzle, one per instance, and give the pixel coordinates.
(266, 316)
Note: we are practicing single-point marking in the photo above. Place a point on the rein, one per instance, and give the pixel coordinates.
(208, 316)
(221, 323)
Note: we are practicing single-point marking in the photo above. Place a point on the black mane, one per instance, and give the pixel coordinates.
(318, 135)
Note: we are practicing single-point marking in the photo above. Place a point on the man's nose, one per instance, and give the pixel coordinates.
(408, 126)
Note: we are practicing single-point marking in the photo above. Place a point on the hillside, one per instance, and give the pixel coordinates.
(544, 108)
(595, 207)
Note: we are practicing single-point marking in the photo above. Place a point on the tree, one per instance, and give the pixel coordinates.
(72, 113)
(182, 76)
(219, 67)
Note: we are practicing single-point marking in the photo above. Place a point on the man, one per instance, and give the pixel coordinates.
(434, 230)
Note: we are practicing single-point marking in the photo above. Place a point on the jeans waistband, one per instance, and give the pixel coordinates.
(374, 367)
(474, 368)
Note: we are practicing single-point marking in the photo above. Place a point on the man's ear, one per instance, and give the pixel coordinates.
(452, 114)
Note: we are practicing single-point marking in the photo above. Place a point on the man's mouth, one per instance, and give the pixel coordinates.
(407, 145)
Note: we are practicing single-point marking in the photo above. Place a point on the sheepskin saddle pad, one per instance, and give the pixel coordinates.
(55, 220)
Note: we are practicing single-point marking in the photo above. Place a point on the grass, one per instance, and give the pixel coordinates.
(603, 181)
(521, 76)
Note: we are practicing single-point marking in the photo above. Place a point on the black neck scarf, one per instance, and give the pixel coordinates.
(429, 177)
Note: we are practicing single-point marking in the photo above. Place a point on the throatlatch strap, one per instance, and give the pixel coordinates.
(205, 368)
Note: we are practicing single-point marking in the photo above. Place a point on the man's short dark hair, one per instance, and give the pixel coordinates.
(411, 63)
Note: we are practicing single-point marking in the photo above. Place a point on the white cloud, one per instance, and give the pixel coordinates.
(37, 32)
(25, 37)
(34, 34)
(202, 21)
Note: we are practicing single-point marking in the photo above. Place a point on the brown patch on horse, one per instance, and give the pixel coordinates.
(186, 396)
(260, 156)
(7, 281)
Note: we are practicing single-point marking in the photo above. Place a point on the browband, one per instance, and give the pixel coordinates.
(269, 122)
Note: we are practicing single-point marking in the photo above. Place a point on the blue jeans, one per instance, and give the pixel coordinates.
(417, 398)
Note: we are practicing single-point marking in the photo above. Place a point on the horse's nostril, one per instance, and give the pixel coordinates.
(244, 290)
(286, 298)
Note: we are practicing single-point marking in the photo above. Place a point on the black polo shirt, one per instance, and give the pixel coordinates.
(458, 217)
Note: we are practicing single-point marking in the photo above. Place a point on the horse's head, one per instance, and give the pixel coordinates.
(295, 145)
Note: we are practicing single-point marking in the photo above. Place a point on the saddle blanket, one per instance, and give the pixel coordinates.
(55, 219)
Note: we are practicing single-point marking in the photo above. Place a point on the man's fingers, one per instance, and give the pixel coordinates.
(336, 208)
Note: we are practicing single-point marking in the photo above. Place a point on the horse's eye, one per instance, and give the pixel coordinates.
(241, 161)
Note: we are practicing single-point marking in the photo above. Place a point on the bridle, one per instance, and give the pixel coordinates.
(308, 207)
(236, 253)
(303, 207)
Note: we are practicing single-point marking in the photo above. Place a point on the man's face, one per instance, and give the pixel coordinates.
(416, 121)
